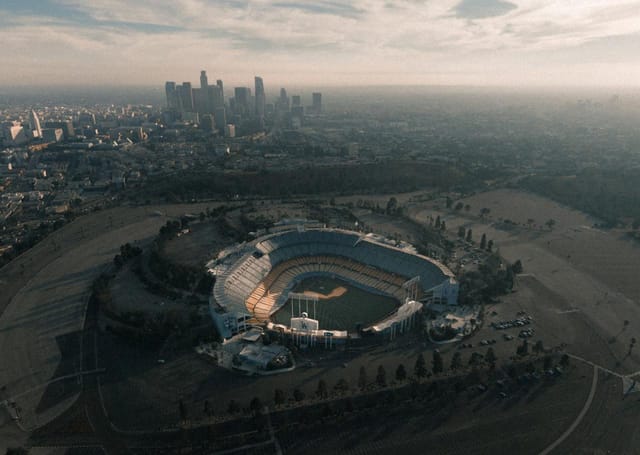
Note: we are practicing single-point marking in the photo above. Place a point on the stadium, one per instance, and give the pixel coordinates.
(325, 286)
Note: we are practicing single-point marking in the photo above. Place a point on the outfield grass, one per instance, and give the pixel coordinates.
(343, 311)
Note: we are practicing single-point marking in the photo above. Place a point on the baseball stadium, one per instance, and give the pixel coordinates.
(325, 286)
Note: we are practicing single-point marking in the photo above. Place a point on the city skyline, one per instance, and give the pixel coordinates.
(326, 43)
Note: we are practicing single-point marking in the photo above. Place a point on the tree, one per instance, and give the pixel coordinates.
(523, 349)
(631, 345)
(342, 386)
(420, 369)
(530, 222)
(550, 223)
(443, 226)
(489, 245)
(449, 202)
(279, 397)
(467, 207)
(182, 408)
(255, 405)
(401, 373)
(517, 267)
(16, 451)
(437, 363)
(538, 347)
(392, 206)
(322, 392)
(469, 235)
(490, 357)
(483, 242)
(564, 360)
(381, 377)
(484, 211)
(458, 206)
(298, 395)
(362, 378)
(475, 359)
(233, 407)
(437, 224)
(456, 361)
(461, 232)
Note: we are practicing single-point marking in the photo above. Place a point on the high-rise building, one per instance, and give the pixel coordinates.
(52, 134)
(230, 130)
(204, 83)
(260, 98)
(65, 125)
(170, 91)
(242, 96)
(316, 104)
(297, 116)
(200, 101)
(220, 118)
(206, 123)
(35, 124)
(295, 100)
(219, 84)
(283, 101)
(186, 96)
(216, 99)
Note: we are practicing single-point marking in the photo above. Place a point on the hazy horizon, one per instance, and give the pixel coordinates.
(492, 43)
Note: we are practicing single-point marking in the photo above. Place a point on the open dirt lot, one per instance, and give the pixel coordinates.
(579, 284)
(43, 302)
(574, 275)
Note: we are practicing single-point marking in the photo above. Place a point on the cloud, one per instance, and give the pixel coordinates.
(309, 41)
(481, 9)
(323, 7)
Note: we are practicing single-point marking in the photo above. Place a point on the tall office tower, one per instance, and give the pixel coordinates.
(295, 100)
(206, 123)
(204, 82)
(215, 97)
(187, 97)
(316, 104)
(220, 118)
(65, 125)
(242, 96)
(283, 101)
(34, 121)
(219, 84)
(260, 98)
(201, 101)
(170, 91)
(178, 98)
(297, 116)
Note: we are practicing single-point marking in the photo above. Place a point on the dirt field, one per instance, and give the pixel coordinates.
(200, 245)
(337, 292)
(580, 285)
(43, 300)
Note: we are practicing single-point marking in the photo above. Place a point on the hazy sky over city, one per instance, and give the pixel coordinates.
(325, 42)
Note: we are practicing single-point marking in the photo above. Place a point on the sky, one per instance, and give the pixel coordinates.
(321, 43)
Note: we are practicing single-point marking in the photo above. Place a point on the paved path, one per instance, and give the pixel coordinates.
(40, 330)
(576, 422)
